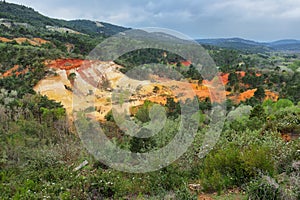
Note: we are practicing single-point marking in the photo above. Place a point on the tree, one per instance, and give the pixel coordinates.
(72, 77)
(233, 79)
(141, 143)
(143, 112)
(192, 73)
(258, 112)
(226, 59)
(155, 89)
(294, 66)
(257, 118)
(109, 116)
(173, 108)
(205, 104)
(283, 103)
(291, 88)
(260, 93)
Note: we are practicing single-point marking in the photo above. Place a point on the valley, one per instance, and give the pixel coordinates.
(241, 123)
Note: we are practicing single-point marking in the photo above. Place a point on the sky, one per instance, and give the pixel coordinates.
(260, 20)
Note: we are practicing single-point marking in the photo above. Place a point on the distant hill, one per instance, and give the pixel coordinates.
(285, 45)
(19, 15)
(252, 46)
(15, 14)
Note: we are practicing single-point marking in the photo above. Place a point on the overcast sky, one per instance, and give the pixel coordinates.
(261, 20)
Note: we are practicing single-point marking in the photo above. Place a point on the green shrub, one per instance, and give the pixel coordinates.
(233, 166)
(221, 169)
(256, 159)
(214, 182)
(184, 193)
(168, 178)
(264, 189)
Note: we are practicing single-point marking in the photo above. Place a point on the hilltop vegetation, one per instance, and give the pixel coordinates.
(257, 154)
(254, 47)
(23, 14)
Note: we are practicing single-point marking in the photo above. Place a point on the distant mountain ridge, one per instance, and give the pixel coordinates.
(18, 14)
(249, 45)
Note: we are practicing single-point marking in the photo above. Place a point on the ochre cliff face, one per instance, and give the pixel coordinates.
(89, 77)
(60, 86)
(32, 41)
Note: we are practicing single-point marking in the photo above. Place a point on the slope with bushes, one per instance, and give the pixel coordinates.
(42, 157)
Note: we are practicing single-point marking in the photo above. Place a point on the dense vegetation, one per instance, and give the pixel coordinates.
(258, 152)
(39, 154)
(252, 46)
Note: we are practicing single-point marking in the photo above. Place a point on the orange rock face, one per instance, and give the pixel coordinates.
(88, 74)
(3, 39)
(15, 71)
(10, 71)
(33, 41)
(40, 41)
(65, 64)
(250, 93)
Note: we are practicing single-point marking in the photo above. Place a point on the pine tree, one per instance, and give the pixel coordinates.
(260, 93)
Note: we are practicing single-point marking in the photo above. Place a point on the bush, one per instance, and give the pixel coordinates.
(221, 169)
(264, 189)
(255, 159)
(215, 182)
(233, 166)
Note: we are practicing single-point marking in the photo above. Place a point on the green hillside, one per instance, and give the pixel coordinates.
(23, 14)
(42, 156)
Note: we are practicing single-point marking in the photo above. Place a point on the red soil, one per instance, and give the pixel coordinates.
(21, 40)
(202, 91)
(186, 63)
(215, 95)
(65, 64)
(40, 41)
(68, 64)
(10, 71)
(76, 64)
(250, 93)
(224, 77)
(33, 41)
(15, 71)
(3, 39)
